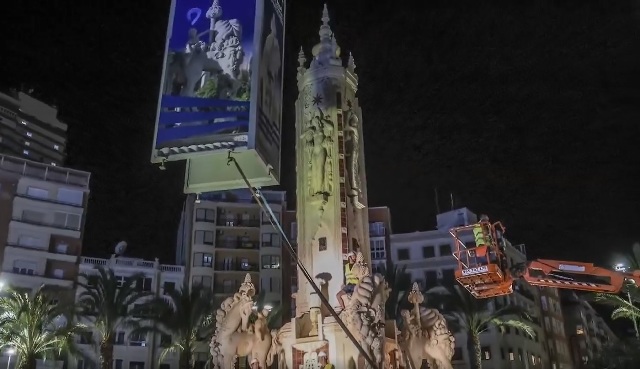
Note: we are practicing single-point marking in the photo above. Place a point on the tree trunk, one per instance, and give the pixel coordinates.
(474, 350)
(28, 362)
(106, 353)
(185, 359)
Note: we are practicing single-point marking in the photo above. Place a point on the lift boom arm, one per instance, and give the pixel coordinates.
(575, 276)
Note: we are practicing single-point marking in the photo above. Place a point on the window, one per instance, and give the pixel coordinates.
(202, 280)
(201, 259)
(27, 143)
(270, 284)
(445, 250)
(169, 287)
(378, 251)
(66, 220)
(430, 279)
(543, 301)
(204, 237)
(25, 152)
(37, 192)
(32, 216)
(266, 217)
(29, 134)
(144, 284)
(270, 262)
(322, 244)
(428, 252)
(271, 240)
(165, 340)
(56, 147)
(118, 364)
(29, 241)
(81, 364)
(137, 339)
(520, 354)
(67, 196)
(376, 229)
(486, 353)
(512, 357)
(119, 338)
(205, 215)
(403, 254)
(136, 365)
(24, 267)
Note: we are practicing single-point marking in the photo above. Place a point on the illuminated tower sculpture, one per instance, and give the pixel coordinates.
(332, 217)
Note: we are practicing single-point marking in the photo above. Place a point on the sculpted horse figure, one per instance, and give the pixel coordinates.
(364, 310)
(234, 336)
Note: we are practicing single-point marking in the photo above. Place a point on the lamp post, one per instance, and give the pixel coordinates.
(10, 352)
(623, 268)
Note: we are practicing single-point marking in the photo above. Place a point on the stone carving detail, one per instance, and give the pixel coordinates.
(425, 335)
(364, 312)
(235, 337)
(318, 144)
(352, 139)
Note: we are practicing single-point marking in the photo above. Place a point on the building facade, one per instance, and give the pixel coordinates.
(428, 258)
(588, 333)
(224, 236)
(42, 213)
(30, 129)
(133, 351)
(553, 317)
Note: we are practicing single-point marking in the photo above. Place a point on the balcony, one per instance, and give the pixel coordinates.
(48, 200)
(236, 266)
(45, 224)
(43, 172)
(51, 253)
(121, 262)
(237, 222)
(240, 243)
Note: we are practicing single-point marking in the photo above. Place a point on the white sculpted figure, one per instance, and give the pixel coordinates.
(352, 138)
(364, 312)
(235, 337)
(425, 335)
(225, 36)
(318, 139)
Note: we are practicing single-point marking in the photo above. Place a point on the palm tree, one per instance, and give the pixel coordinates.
(187, 315)
(624, 308)
(621, 355)
(473, 316)
(104, 301)
(35, 327)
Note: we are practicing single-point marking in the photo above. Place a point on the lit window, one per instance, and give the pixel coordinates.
(56, 147)
(24, 122)
(27, 143)
(29, 134)
(26, 152)
(54, 164)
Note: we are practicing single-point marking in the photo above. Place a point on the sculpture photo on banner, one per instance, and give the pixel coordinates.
(270, 81)
(206, 86)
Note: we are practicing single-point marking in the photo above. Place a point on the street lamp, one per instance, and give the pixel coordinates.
(623, 268)
(10, 352)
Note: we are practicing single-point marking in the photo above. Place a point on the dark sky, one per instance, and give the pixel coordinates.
(528, 111)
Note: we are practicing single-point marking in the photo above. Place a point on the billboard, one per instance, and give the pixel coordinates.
(219, 93)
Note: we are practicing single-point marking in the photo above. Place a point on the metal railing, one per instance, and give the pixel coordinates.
(44, 172)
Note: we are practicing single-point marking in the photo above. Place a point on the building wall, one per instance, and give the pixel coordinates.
(428, 258)
(42, 221)
(30, 128)
(554, 328)
(129, 350)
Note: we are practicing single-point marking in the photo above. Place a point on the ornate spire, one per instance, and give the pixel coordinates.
(301, 59)
(327, 50)
(351, 64)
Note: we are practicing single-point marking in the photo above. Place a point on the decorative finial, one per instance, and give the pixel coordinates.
(247, 288)
(325, 29)
(301, 58)
(247, 278)
(325, 15)
(352, 63)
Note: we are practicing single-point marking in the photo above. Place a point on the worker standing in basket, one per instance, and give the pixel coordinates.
(322, 360)
(482, 239)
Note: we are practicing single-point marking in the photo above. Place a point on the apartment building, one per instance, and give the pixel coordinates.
(557, 341)
(42, 212)
(137, 351)
(379, 241)
(588, 333)
(224, 236)
(428, 258)
(30, 129)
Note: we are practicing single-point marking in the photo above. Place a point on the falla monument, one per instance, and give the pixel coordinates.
(332, 221)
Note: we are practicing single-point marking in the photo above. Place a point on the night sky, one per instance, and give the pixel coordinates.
(528, 111)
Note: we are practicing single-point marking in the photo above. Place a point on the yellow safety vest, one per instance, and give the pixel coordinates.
(348, 274)
(329, 366)
(478, 234)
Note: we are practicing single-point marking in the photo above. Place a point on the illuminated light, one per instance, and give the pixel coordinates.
(26, 152)
(11, 351)
(620, 267)
(56, 147)
(24, 123)
(29, 134)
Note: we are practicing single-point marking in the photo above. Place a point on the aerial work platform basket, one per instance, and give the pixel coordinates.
(482, 265)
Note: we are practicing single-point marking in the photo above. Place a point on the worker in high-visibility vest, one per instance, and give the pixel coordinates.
(322, 360)
(482, 239)
(350, 279)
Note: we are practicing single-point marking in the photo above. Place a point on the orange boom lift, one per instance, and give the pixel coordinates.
(484, 271)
